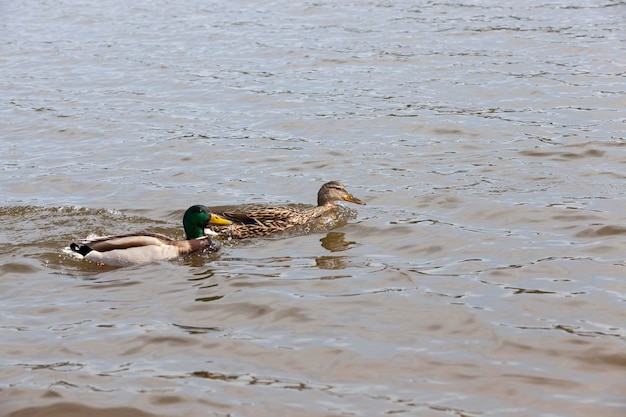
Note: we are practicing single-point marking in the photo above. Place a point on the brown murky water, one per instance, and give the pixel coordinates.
(485, 277)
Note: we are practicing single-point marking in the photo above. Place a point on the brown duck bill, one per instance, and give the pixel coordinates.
(352, 199)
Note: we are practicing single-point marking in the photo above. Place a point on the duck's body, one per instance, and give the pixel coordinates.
(258, 221)
(133, 249)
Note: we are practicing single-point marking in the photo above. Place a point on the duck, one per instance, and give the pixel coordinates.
(259, 221)
(135, 249)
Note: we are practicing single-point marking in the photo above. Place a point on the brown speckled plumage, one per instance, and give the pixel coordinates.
(258, 221)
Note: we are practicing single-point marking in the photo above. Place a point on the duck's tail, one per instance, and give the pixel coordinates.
(82, 249)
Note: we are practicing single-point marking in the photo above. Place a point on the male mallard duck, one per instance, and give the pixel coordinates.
(132, 249)
(256, 221)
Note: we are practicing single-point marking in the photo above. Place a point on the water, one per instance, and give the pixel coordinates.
(485, 276)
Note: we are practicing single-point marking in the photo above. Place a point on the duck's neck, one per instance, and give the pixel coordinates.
(320, 210)
(193, 232)
(324, 202)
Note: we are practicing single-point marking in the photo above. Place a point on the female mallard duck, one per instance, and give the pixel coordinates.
(133, 249)
(256, 221)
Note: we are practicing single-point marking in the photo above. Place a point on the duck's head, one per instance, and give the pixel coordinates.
(197, 218)
(335, 191)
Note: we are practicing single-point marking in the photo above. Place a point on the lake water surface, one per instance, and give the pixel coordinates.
(486, 276)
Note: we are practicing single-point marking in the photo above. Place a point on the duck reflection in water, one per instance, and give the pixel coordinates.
(331, 262)
(334, 242)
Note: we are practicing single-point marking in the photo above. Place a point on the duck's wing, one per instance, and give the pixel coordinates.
(260, 215)
(109, 243)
